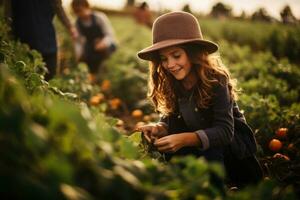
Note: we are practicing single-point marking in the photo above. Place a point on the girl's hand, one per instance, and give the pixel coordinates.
(74, 33)
(174, 142)
(100, 45)
(153, 131)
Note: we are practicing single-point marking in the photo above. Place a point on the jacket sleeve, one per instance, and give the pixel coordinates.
(221, 132)
(164, 120)
(61, 14)
(173, 123)
(103, 21)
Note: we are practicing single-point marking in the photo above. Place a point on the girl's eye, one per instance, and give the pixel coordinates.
(176, 56)
(163, 59)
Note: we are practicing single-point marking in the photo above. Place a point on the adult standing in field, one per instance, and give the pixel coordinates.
(196, 96)
(143, 15)
(32, 23)
(96, 39)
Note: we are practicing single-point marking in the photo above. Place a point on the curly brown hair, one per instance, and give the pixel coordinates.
(210, 72)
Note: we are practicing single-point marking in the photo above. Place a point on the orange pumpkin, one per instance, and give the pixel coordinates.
(275, 145)
(95, 100)
(281, 132)
(137, 113)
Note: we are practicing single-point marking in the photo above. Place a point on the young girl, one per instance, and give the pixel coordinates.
(96, 38)
(196, 97)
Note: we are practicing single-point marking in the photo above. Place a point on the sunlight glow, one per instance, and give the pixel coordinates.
(273, 7)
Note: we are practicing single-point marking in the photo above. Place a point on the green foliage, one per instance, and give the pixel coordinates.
(260, 110)
(77, 82)
(280, 40)
(126, 72)
(26, 64)
(57, 143)
(285, 43)
(256, 71)
(265, 190)
(270, 89)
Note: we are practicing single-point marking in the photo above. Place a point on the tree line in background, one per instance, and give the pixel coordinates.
(221, 10)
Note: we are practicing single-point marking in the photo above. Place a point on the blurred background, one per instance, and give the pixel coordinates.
(237, 7)
(66, 138)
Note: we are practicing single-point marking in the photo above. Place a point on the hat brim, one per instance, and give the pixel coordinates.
(147, 53)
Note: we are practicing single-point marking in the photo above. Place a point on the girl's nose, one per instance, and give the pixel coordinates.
(171, 63)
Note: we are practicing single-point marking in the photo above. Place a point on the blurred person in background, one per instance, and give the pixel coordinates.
(143, 15)
(96, 41)
(32, 23)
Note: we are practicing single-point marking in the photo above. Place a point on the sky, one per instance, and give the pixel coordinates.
(273, 7)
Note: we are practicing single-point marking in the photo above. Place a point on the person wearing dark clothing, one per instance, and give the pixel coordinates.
(96, 40)
(196, 96)
(32, 23)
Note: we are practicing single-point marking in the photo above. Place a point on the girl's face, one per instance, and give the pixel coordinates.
(176, 61)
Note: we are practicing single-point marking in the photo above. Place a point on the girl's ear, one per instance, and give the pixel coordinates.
(198, 57)
(195, 57)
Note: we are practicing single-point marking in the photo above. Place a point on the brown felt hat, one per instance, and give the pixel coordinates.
(176, 28)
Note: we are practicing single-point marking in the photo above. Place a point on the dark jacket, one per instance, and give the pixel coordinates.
(224, 134)
(214, 125)
(32, 24)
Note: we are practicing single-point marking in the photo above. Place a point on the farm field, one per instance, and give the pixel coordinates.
(70, 138)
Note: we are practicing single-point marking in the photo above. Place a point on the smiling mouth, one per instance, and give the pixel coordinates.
(176, 70)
